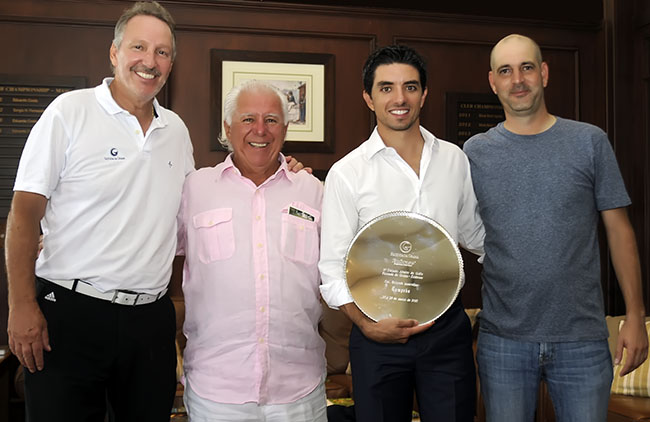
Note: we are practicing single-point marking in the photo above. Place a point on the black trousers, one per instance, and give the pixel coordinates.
(103, 353)
(438, 365)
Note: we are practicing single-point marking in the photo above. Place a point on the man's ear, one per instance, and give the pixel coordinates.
(369, 102)
(544, 74)
(112, 54)
(226, 127)
(491, 81)
(284, 132)
(424, 96)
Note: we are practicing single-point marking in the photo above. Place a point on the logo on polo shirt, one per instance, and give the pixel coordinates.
(114, 155)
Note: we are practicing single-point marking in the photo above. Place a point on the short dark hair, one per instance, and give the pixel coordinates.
(389, 55)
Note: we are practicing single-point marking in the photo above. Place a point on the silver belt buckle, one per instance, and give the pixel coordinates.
(122, 298)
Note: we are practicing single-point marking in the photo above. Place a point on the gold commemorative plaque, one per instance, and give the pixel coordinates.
(403, 265)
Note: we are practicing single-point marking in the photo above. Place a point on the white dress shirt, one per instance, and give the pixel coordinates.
(373, 179)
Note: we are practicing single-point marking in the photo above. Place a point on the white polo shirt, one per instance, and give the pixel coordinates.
(113, 191)
(373, 179)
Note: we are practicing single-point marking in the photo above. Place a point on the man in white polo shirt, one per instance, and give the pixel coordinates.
(102, 172)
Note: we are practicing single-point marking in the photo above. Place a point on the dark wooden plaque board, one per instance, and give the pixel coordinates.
(471, 113)
(22, 101)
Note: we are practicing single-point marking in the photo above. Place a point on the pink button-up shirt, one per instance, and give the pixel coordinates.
(251, 285)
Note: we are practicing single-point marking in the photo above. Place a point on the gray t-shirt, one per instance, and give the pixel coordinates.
(539, 198)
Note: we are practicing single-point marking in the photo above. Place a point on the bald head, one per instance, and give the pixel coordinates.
(518, 76)
(514, 41)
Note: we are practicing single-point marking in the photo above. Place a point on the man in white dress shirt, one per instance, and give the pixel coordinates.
(402, 166)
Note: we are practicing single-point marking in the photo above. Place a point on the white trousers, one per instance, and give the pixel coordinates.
(311, 408)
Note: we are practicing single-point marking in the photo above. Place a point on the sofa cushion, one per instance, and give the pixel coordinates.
(335, 329)
(338, 386)
(627, 408)
(635, 383)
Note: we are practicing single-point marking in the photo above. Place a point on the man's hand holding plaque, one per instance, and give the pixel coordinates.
(388, 330)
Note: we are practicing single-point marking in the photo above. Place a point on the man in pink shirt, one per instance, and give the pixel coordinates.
(249, 229)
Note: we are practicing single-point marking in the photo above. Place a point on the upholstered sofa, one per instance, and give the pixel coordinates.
(624, 408)
(335, 329)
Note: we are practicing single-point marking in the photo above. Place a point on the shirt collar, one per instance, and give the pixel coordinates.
(106, 100)
(283, 170)
(375, 144)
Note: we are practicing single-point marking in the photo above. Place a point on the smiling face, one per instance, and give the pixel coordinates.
(142, 61)
(518, 76)
(396, 98)
(257, 133)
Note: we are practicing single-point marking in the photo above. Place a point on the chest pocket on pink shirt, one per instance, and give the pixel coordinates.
(299, 239)
(214, 234)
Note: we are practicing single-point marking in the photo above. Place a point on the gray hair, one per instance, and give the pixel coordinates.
(144, 8)
(232, 98)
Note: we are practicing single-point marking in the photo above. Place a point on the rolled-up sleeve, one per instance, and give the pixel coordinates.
(339, 225)
(471, 232)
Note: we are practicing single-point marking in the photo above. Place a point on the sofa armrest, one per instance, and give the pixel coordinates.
(627, 408)
(338, 386)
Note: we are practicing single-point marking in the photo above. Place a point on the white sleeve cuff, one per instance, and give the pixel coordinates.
(335, 294)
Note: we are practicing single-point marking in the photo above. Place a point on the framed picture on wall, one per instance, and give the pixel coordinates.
(306, 79)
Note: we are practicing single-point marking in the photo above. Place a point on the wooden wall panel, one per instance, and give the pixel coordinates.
(458, 51)
(36, 49)
(72, 37)
(462, 66)
(452, 66)
(628, 123)
(190, 96)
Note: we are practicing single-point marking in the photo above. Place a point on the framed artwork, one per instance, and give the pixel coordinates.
(307, 80)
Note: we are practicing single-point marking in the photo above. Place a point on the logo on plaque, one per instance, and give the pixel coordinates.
(405, 246)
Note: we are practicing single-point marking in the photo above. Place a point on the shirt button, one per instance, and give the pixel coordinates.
(301, 228)
(261, 340)
(259, 245)
(261, 276)
(258, 218)
(137, 132)
(262, 309)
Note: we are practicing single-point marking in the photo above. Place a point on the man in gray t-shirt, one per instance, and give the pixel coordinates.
(542, 183)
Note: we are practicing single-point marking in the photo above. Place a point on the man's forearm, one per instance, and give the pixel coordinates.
(627, 268)
(625, 259)
(352, 311)
(21, 245)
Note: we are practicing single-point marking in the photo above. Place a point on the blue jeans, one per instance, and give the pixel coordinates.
(578, 376)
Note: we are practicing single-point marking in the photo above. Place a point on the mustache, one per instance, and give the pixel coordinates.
(520, 87)
(145, 69)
